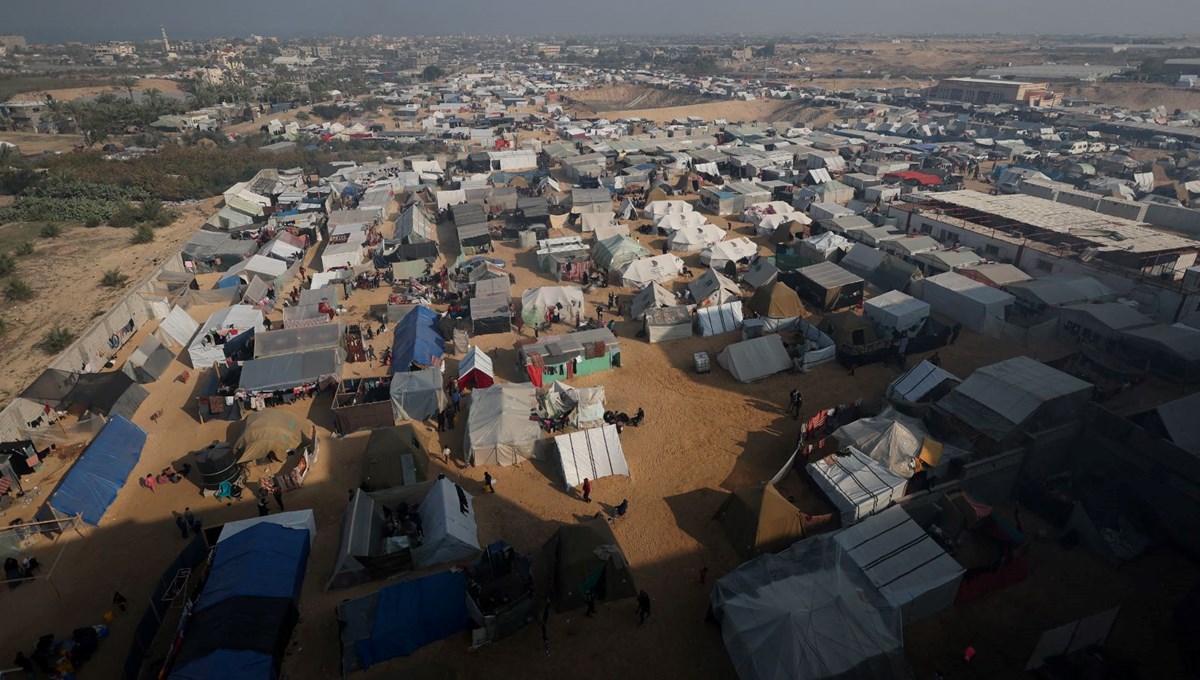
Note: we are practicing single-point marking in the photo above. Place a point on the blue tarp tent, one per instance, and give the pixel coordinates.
(402, 618)
(228, 664)
(416, 340)
(266, 560)
(92, 483)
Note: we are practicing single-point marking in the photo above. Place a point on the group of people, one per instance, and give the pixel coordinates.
(445, 417)
(168, 475)
(263, 508)
(188, 523)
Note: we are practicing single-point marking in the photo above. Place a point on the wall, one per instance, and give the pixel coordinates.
(1185, 220)
(1129, 210)
(1033, 335)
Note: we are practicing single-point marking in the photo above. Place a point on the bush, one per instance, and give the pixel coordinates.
(113, 278)
(7, 264)
(50, 230)
(125, 215)
(143, 234)
(3, 326)
(302, 116)
(93, 222)
(24, 248)
(18, 291)
(56, 340)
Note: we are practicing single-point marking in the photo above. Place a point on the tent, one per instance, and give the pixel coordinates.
(668, 323)
(257, 267)
(596, 220)
(499, 430)
(713, 288)
(401, 618)
(755, 359)
(584, 406)
(808, 613)
(475, 370)
(922, 383)
(895, 311)
(92, 483)
(968, 302)
(827, 286)
(856, 485)
(653, 296)
(641, 273)
(904, 563)
(416, 342)
(417, 395)
(216, 463)
(761, 273)
(590, 454)
(893, 440)
(267, 432)
(368, 552)
(691, 239)
(490, 314)
(758, 519)
(224, 333)
(586, 557)
(500, 597)
(149, 361)
(673, 222)
(720, 255)
(656, 209)
(288, 371)
(719, 318)
(393, 457)
(824, 247)
(111, 394)
(777, 304)
(1054, 290)
(535, 302)
(178, 328)
(295, 340)
(613, 253)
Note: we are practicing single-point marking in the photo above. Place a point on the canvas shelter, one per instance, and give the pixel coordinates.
(903, 562)
(641, 273)
(760, 274)
(475, 371)
(656, 209)
(994, 274)
(596, 220)
(673, 222)
(417, 395)
(653, 296)
(224, 333)
(827, 286)
(1100, 323)
(968, 302)
(393, 457)
(362, 403)
(691, 239)
(603, 232)
(1170, 351)
(177, 329)
(585, 557)
(414, 226)
(755, 359)
(369, 553)
(895, 311)
(149, 361)
(270, 431)
(112, 394)
(892, 439)
(535, 302)
(490, 314)
(92, 483)
(614, 253)
(288, 371)
(824, 247)
(668, 323)
(499, 430)
(921, 384)
(296, 340)
(717, 319)
(500, 597)
(416, 341)
(734, 251)
(583, 406)
(777, 304)
(713, 288)
(1040, 295)
(856, 485)
(257, 268)
(590, 454)
(758, 519)
(809, 613)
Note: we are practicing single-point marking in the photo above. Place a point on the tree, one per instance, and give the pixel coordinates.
(113, 278)
(125, 215)
(127, 83)
(432, 72)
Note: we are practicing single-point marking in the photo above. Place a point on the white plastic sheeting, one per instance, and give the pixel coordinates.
(240, 318)
(656, 209)
(296, 519)
(178, 328)
(536, 301)
(499, 430)
(719, 319)
(856, 485)
(591, 454)
(733, 250)
(673, 222)
(641, 273)
(448, 534)
(755, 359)
(889, 438)
(968, 302)
(918, 382)
(895, 311)
(690, 239)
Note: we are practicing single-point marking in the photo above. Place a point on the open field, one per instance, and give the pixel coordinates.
(31, 143)
(71, 93)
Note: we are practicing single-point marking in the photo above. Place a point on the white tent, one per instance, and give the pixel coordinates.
(718, 319)
(591, 454)
(499, 431)
(178, 328)
(756, 358)
(673, 222)
(653, 296)
(231, 323)
(661, 268)
(819, 248)
(609, 230)
(858, 486)
(908, 568)
(479, 362)
(920, 381)
(969, 302)
(767, 224)
(734, 250)
(895, 311)
(593, 221)
(656, 209)
(417, 395)
(690, 239)
(585, 404)
(536, 301)
(447, 533)
(346, 255)
(891, 439)
(758, 212)
(295, 519)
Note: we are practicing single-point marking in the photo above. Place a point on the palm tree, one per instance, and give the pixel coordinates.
(127, 83)
(154, 97)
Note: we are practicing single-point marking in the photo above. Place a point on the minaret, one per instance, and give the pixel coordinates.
(166, 43)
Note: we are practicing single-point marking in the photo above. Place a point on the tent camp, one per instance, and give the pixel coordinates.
(735, 251)
(177, 329)
(375, 545)
(567, 300)
(224, 333)
(777, 304)
(590, 454)
(719, 319)
(416, 341)
(111, 394)
(393, 457)
(895, 311)
(758, 519)
(755, 359)
(149, 361)
(668, 323)
(641, 273)
(92, 483)
(243, 620)
(692, 239)
(586, 557)
(401, 618)
(613, 253)
(856, 485)
(653, 296)
(891, 439)
(490, 314)
(968, 302)
(808, 613)
(319, 367)
(475, 370)
(583, 406)
(904, 563)
(499, 430)
(417, 395)
(713, 288)
(826, 286)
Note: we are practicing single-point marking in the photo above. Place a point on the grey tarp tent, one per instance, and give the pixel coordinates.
(393, 457)
(971, 303)
(417, 395)
(755, 359)
(295, 340)
(590, 454)
(586, 557)
(291, 370)
(177, 329)
(891, 439)
(499, 429)
(149, 361)
(653, 296)
(668, 323)
(856, 485)
(110, 394)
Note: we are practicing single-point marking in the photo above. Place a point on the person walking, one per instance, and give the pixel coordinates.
(487, 482)
(643, 607)
(450, 417)
(188, 516)
(263, 508)
(183, 526)
(954, 331)
(463, 505)
(119, 601)
(441, 421)
(590, 598)
(455, 398)
(587, 490)
(278, 494)
(197, 526)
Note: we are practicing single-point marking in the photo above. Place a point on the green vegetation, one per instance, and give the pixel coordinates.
(18, 291)
(143, 234)
(56, 340)
(24, 248)
(113, 278)
(55, 199)
(109, 114)
(7, 264)
(303, 116)
(432, 72)
(50, 230)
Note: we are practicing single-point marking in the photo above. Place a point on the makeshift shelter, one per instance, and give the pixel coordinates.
(217, 464)
(713, 288)
(690, 239)
(760, 274)
(288, 371)
(499, 429)
(733, 251)
(393, 457)
(641, 273)
(583, 558)
(656, 209)
(1038, 296)
(375, 544)
(1171, 351)
(596, 220)
(92, 483)
(401, 618)
(417, 395)
(614, 253)
(920, 385)
(224, 334)
(177, 329)
(824, 247)
(475, 370)
(416, 341)
(500, 596)
(243, 619)
(50, 387)
(894, 440)
(149, 361)
(755, 359)
(815, 346)
(903, 562)
(1100, 323)
(808, 613)
(758, 519)
(256, 268)
(362, 403)
(673, 222)
(111, 394)
(668, 323)
(894, 311)
(856, 485)
(827, 286)
(270, 432)
(777, 304)
(653, 296)
(415, 226)
(297, 340)
(561, 357)
(719, 319)
(583, 407)
(490, 314)
(590, 454)
(993, 274)
(968, 302)
(566, 301)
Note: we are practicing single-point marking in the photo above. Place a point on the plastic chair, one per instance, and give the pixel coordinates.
(225, 490)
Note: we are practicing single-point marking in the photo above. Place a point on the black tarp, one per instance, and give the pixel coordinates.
(51, 387)
(258, 624)
(110, 394)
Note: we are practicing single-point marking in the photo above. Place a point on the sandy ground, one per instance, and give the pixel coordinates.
(704, 434)
(65, 273)
(72, 93)
(31, 143)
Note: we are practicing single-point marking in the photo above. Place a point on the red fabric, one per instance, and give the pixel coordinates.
(535, 375)
(922, 178)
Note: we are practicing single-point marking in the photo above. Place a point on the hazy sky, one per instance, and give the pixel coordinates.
(58, 20)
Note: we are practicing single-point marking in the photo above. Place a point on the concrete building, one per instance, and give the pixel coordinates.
(989, 91)
(12, 42)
